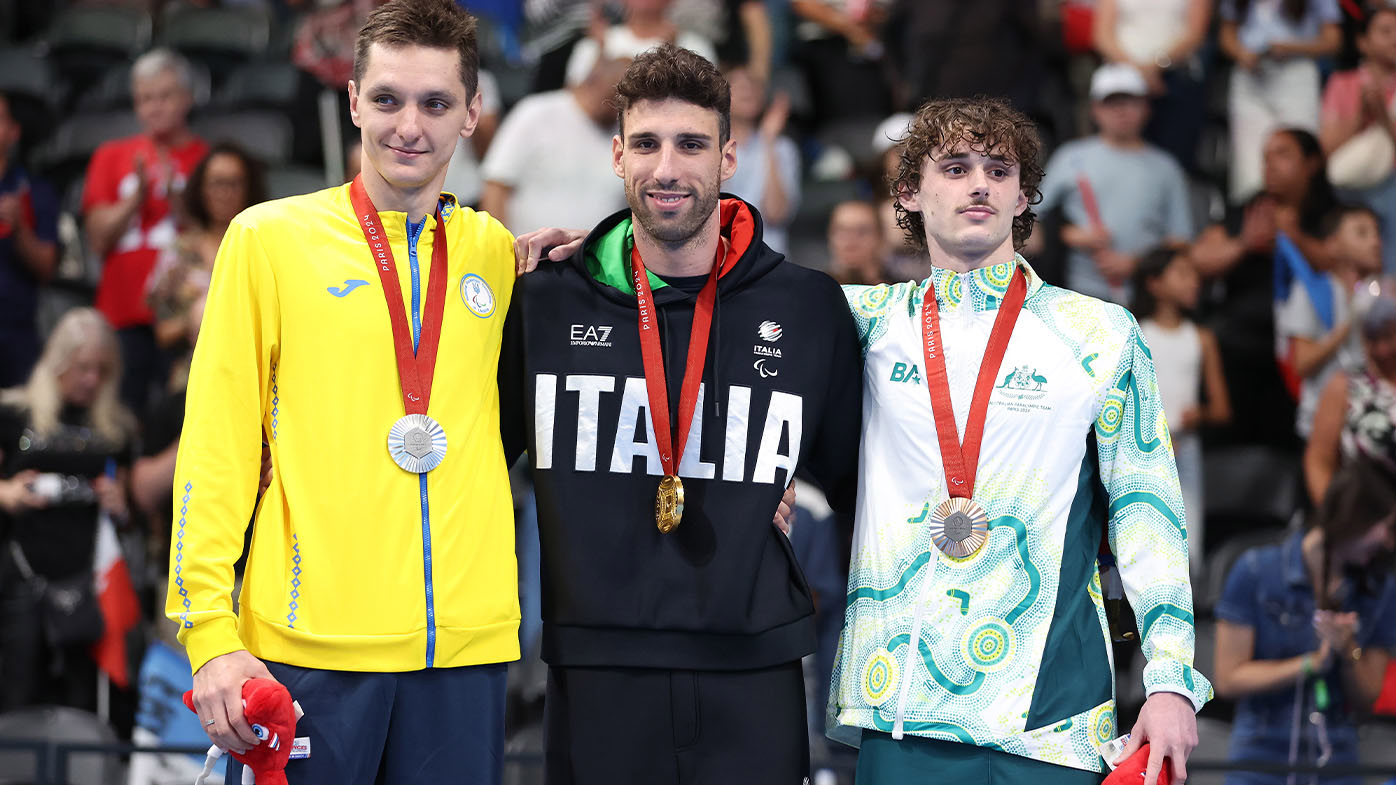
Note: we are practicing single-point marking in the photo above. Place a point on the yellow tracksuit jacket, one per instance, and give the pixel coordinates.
(355, 564)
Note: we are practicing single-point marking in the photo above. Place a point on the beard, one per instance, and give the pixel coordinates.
(676, 229)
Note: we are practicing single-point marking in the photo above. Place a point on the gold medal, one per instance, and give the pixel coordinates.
(959, 527)
(668, 504)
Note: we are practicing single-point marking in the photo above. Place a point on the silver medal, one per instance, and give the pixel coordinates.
(417, 443)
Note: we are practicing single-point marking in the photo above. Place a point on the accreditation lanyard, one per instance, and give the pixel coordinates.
(961, 462)
(415, 366)
(653, 357)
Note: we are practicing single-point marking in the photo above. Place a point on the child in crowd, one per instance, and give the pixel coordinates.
(1166, 288)
(1313, 333)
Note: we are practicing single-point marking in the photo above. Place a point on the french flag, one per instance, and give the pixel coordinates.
(117, 598)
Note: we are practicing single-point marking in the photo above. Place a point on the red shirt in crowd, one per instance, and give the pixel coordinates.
(121, 295)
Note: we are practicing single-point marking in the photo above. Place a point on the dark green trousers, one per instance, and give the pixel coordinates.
(883, 760)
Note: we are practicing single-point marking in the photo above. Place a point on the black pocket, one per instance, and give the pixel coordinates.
(683, 708)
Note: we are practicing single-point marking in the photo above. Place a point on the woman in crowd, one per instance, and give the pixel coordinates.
(1275, 81)
(226, 182)
(64, 442)
(1163, 39)
(1240, 254)
(1356, 124)
(1356, 414)
(1305, 627)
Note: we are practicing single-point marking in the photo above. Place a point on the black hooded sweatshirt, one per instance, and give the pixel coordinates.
(782, 390)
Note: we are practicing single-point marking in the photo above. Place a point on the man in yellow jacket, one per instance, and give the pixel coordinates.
(381, 583)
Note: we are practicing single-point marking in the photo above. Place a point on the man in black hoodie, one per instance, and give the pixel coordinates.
(663, 427)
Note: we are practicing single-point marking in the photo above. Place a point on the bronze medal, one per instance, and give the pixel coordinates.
(959, 527)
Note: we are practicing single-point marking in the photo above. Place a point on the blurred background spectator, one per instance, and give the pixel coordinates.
(1356, 412)
(1164, 39)
(128, 206)
(65, 442)
(1120, 195)
(28, 252)
(1305, 629)
(768, 163)
(1275, 45)
(224, 183)
(1356, 123)
(550, 162)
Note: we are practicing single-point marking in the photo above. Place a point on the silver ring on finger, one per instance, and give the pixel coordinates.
(209, 722)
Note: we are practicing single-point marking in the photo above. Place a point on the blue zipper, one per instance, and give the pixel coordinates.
(414, 233)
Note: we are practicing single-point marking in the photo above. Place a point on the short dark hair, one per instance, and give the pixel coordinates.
(436, 24)
(1151, 266)
(1333, 219)
(668, 71)
(989, 126)
(194, 205)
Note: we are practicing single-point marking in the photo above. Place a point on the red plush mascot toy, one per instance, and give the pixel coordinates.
(272, 714)
(1130, 771)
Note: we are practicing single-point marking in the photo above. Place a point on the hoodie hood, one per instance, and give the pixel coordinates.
(604, 257)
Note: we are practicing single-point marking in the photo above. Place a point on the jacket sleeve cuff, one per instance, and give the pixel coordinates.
(208, 639)
(1175, 676)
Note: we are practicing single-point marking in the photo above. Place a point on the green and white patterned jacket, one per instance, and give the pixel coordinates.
(1008, 648)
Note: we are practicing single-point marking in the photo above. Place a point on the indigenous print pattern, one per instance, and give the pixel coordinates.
(999, 648)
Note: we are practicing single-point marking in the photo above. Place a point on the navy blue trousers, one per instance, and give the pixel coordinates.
(439, 725)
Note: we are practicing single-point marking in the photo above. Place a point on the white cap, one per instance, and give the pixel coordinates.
(891, 132)
(1117, 79)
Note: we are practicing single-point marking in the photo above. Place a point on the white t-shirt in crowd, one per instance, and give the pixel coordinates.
(1149, 28)
(557, 161)
(1177, 354)
(621, 42)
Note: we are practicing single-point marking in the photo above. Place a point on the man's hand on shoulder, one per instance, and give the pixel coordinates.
(218, 697)
(557, 244)
(1169, 725)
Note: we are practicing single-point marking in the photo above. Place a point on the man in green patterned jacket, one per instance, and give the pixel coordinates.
(1009, 426)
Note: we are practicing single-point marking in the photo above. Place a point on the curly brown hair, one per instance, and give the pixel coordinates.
(669, 71)
(435, 24)
(955, 125)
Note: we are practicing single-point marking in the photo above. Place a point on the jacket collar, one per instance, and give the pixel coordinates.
(981, 289)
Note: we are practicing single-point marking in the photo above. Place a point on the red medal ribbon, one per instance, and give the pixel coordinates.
(962, 462)
(414, 368)
(653, 356)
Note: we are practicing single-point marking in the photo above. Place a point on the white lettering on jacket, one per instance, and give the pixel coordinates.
(782, 427)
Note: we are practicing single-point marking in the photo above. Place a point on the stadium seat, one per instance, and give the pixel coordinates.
(260, 85)
(1253, 484)
(26, 71)
(119, 30)
(64, 157)
(264, 134)
(220, 38)
(1208, 588)
(1376, 742)
(35, 93)
(60, 724)
(85, 41)
(283, 181)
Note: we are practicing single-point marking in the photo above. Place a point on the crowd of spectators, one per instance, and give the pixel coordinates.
(1224, 169)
